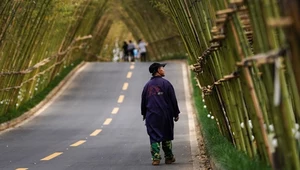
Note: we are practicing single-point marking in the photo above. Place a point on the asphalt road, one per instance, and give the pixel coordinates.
(94, 123)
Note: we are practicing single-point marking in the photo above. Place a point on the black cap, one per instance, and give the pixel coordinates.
(154, 67)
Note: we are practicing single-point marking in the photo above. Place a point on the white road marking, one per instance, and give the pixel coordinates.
(192, 132)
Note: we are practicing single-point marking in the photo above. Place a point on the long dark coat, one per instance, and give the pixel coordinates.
(159, 106)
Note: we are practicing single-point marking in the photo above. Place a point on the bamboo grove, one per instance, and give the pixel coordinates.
(245, 54)
(141, 20)
(41, 38)
(38, 39)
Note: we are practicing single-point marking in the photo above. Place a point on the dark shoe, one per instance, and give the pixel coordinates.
(155, 162)
(170, 160)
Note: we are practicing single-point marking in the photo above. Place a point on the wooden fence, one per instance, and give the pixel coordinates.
(246, 56)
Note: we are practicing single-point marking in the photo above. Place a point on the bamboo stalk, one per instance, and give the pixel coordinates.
(255, 101)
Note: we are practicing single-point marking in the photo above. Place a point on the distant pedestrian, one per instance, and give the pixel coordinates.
(130, 49)
(159, 110)
(142, 50)
(125, 51)
(136, 54)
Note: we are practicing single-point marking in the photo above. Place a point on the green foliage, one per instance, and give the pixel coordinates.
(38, 40)
(14, 113)
(161, 6)
(222, 152)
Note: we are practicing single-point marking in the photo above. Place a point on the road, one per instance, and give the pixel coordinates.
(94, 123)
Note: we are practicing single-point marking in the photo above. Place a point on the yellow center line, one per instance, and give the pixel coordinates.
(132, 67)
(21, 168)
(115, 110)
(107, 121)
(125, 86)
(51, 156)
(78, 143)
(129, 74)
(96, 132)
(121, 98)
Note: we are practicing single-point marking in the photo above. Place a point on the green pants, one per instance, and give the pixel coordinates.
(167, 148)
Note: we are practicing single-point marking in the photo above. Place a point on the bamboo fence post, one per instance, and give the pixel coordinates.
(251, 88)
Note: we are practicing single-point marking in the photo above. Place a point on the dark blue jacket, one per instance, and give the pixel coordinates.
(159, 106)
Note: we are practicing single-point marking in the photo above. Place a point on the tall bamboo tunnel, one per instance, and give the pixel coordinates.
(244, 53)
(39, 39)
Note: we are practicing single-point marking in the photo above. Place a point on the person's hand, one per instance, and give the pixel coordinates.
(176, 118)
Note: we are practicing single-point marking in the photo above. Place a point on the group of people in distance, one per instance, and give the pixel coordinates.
(132, 51)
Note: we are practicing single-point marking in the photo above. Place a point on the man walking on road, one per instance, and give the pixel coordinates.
(160, 109)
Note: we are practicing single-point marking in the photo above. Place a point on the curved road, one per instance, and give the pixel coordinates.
(94, 123)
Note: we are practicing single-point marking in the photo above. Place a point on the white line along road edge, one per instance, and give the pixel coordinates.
(192, 133)
(43, 105)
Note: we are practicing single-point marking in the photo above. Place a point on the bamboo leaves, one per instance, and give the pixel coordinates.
(31, 55)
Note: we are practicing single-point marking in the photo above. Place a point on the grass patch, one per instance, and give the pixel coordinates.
(14, 113)
(223, 153)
